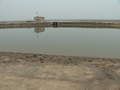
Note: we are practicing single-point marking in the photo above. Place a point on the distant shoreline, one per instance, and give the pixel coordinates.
(81, 24)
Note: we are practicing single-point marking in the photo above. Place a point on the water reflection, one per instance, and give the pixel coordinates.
(39, 29)
(63, 41)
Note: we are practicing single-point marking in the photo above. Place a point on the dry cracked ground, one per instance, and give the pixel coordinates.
(51, 72)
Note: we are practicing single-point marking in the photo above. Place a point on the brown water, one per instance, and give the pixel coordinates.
(92, 42)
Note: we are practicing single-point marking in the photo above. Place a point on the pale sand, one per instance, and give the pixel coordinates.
(19, 71)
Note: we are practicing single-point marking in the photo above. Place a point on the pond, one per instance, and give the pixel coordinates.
(93, 42)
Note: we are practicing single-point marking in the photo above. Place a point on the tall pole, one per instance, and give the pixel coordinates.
(37, 13)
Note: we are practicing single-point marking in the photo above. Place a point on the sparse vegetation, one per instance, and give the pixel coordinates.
(29, 21)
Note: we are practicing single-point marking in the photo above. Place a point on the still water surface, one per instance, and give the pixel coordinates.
(94, 42)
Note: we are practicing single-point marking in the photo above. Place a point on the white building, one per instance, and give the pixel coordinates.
(39, 19)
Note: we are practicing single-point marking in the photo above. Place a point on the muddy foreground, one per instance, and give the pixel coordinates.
(19, 71)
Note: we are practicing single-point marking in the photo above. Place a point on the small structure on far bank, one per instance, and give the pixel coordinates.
(39, 19)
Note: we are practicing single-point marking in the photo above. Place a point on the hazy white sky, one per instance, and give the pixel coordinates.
(59, 9)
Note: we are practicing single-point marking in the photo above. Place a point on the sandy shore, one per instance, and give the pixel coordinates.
(24, 71)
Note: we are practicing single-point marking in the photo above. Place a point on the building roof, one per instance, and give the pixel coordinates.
(40, 16)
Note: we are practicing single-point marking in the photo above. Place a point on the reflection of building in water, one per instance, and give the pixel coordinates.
(39, 29)
(39, 19)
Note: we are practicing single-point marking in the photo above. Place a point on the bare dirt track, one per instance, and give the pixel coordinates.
(20, 71)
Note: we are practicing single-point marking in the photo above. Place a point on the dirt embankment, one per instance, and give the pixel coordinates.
(89, 24)
(23, 24)
(82, 24)
(20, 71)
